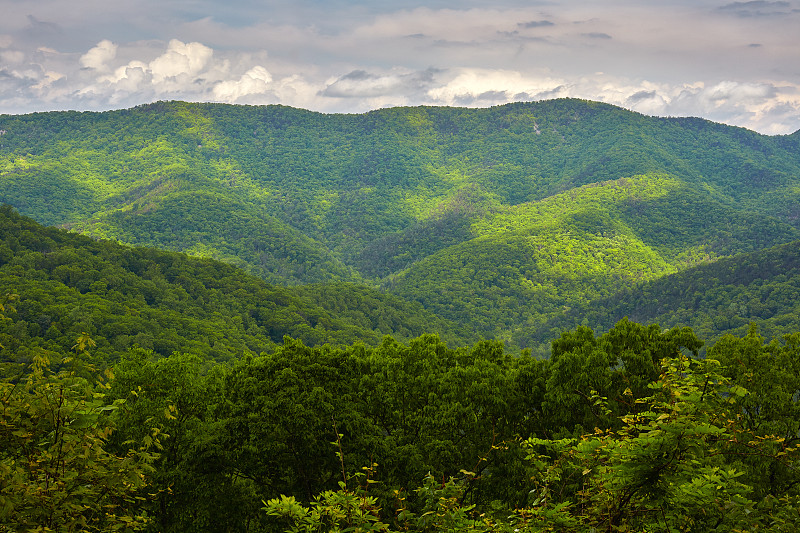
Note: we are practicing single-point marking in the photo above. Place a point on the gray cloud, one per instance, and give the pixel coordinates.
(758, 8)
(360, 83)
(40, 29)
(484, 98)
(555, 92)
(535, 24)
(639, 96)
(597, 35)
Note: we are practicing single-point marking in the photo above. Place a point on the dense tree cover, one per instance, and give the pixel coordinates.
(719, 297)
(625, 431)
(151, 390)
(415, 200)
(535, 260)
(68, 284)
(243, 234)
(57, 469)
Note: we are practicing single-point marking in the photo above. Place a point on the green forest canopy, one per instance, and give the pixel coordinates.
(497, 219)
(625, 431)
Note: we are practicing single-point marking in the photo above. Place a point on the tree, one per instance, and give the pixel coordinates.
(677, 465)
(56, 473)
(770, 409)
(196, 488)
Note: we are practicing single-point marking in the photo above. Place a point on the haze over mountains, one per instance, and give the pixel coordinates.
(512, 221)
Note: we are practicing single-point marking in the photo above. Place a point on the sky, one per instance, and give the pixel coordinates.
(731, 62)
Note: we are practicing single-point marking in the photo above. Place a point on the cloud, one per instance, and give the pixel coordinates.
(535, 24)
(361, 84)
(758, 8)
(766, 107)
(597, 35)
(183, 70)
(676, 57)
(470, 87)
(255, 81)
(41, 29)
(456, 25)
(11, 57)
(50, 77)
(98, 57)
(640, 96)
(187, 59)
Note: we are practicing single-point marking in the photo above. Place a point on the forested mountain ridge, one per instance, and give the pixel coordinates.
(717, 298)
(496, 218)
(65, 285)
(539, 259)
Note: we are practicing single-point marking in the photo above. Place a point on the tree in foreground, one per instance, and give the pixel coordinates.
(55, 471)
(682, 462)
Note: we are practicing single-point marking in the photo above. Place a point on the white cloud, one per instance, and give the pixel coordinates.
(481, 87)
(257, 80)
(367, 85)
(180, 59)
(98, 57)
(180, 71)
(49, 78)
(359, 84)
(678, 57)
(10, 57)
(296, 91)
(133, 70)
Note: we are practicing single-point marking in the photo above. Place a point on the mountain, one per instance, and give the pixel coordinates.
(62, 285)
(498, 219)
(716, 298)
(540, 258)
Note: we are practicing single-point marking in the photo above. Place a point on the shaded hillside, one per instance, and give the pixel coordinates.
(62, 285)
(715, 298)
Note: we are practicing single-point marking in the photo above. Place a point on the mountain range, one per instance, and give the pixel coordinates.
(513, 222)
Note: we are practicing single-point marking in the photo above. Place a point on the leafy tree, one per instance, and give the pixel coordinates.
(676, 465)
(770, 372)
(57, 472)
(594, 380)
(196, 488)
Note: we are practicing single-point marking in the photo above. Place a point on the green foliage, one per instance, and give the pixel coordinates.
(411, 409)
(521, 222)
(498, 218)
(161, 301)
(346, 510)
(534, 261)
(678, 464)
(715, 298)
(617, 432)
(683, 457)
(57, 472)
(769, 409)
(195, 488)
(331, 512)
